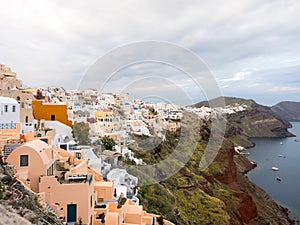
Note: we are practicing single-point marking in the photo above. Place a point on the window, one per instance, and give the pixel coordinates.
(44, 140)
(26, 119)
(13, 108)
(5, 108)
(24, 160)
(78, 155)
(63, 146)
(22, 104)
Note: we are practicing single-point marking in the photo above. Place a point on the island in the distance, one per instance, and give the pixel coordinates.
(287, 110)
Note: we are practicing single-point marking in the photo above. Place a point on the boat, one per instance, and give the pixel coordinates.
(275, 168)
(281, 143)
(280, 155)
(297, 140)
(244, 153)
(278, 178)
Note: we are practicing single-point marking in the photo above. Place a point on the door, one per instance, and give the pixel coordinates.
(52, 117)
(72, 213)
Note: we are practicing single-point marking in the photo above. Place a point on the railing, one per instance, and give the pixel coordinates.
(50, 209)
(6, 126)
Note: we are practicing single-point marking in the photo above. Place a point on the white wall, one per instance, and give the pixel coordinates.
(9, 116)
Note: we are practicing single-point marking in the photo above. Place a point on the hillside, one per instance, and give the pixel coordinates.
(287, 110)
(256, 121)
(220, 194)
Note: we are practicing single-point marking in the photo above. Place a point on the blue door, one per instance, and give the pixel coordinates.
(72, 213)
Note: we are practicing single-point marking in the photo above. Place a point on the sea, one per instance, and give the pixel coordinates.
(283, 153)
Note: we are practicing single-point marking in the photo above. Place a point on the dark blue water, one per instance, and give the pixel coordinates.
(266, 154)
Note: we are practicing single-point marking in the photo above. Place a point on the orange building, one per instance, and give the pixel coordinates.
(49, 111)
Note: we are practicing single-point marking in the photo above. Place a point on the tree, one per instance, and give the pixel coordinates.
(81, 133)
(108, 142)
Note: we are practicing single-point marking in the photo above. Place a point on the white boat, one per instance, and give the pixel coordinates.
(281, 143)
(244, 153)
(275, 168)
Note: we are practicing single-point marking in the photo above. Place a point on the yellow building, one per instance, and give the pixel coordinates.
(104, 119)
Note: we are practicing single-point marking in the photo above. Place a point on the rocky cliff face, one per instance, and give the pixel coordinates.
(287, 110)
(221, 194)
(256, 121)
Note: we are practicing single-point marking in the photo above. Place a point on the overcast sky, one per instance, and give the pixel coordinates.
(252, 47)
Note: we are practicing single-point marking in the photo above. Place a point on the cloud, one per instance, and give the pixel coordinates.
(54, 42)
(239, 76)
(285, 89)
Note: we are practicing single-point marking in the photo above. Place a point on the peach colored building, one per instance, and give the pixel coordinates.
(67, 185)
(32, 160)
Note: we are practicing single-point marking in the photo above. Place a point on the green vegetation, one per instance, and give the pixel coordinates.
(219, 194)
(108, 142)
(128, 161)
(181, 198)
(81, 133)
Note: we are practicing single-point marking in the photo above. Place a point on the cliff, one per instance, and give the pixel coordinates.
(256, 121)
(287, 110)
(221, 194)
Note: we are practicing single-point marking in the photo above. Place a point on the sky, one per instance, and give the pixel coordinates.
(251, 47)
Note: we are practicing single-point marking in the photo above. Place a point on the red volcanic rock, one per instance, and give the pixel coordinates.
(225, 158)
(246, 209)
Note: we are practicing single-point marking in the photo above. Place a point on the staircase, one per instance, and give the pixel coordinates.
(50, 209)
